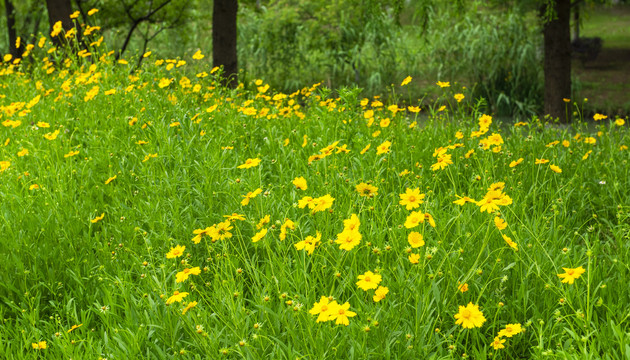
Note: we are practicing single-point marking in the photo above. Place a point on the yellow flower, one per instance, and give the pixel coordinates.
(555, 168)
(570, 275)
(498, 343)
(620, 122)
(510, 330)
(250, 195)
(184, 274)
(587, 154)
(200, 233)
(383, 148)
(413, 219)
(71, 153)
(74, 327)
(98, 218)
(176, 252)
(406, 81)
(42, 124)
(222, 231)
(368, 281)
(442, 162)
(259, 235)
(540, 161)
(309, 243)
(459, 97)
(52, 135)
(189, 306)
(39, 345)
(92, 12)
(516, 162)
(414, 258)
(499, 223)
(411, 199)
(249, 163)
(300, 183)
(264, 221)
(367, 190)
(33, 187)
(509, 241)
(177, 297)
(443, 84)
(365, 149)
(470, 316)
(462, 287)
(340, 314)
(198, 55)
(415, 239)
(348, 239)
(598, 117)
(322, 309)
(380, 293)
(110, 179)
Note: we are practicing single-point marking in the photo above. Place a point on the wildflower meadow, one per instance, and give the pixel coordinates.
(154, 214)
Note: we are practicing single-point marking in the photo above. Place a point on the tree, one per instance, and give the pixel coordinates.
(60, 10)
(557, 57)
(10, 11)
(224, 39)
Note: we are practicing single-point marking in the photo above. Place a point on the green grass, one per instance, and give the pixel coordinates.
(609, 23)
(60, 266)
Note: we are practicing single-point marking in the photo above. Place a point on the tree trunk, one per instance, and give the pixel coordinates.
(224, 39)
(10, 10)
(557, 63)
(59, 10)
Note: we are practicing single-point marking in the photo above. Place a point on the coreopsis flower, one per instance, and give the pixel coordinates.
(499, 223)
(497, 343)
(415, 239)
(516, 162)
(540, 161)
(249, 163)
(462, 287)
(222, 231)
(348, 239)
(485, 121)
(200, 233)
(184, 274)
(598, 117)
(110, 179)
(459, 97)
(176, 252)
(570, 275)
(428, 217)
(442, 162)
(70, 154)
(321, 309)
(300, 183)
(33, 187)
(22, 152)
(367, 190)
(414, 219)
(340, 314)
(590, 140)
(620, 122)
(288, 224)
(365, 149)
(234, 217)
(92, 12)
(411, 199)
(176, 297)
(52, 135)
(368, 281)
(510, 330)
(443, 84)
(43, 124)
(587, 155)
(414, 258)
(259, 235)
(306, 201)
(352, 223)
(98, 218)
(555, 168)
(189, 306)
(41, 345)
(490, 201)
(509, 241)
(264, 221)
(383, 148)
(322, 203)
(309, 243)
(250, 195)
(368, 114)
(463, 200)
(470, 316)
(198, 55)
(74, 327)
(406, 81)
(380, 293)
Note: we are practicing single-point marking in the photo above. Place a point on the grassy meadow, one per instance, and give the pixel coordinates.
(153, 214)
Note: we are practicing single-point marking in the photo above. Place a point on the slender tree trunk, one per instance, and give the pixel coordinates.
(224, 39)
(557, 63)
(10, 10)
(59, 10)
